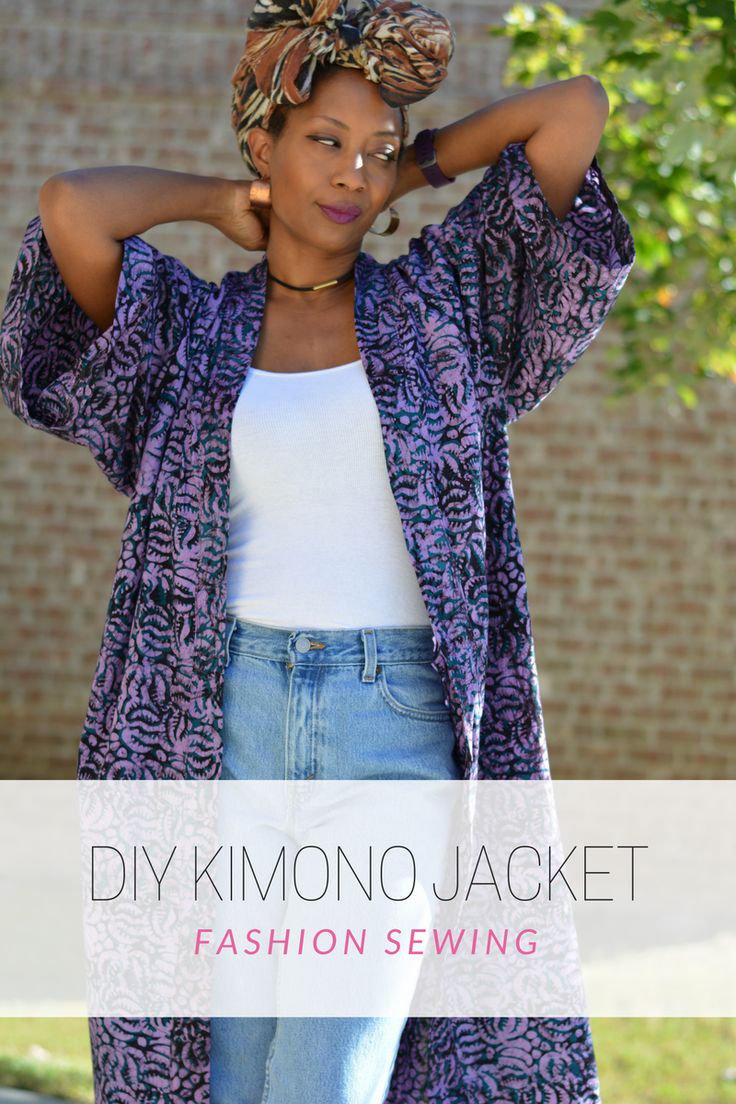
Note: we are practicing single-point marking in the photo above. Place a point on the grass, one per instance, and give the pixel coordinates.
(63, 1065)
(665, 1060)
(651, 1061)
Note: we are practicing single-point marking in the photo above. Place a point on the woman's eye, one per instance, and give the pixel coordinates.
(317, 138)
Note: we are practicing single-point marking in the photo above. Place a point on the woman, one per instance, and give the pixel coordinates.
(166, 378)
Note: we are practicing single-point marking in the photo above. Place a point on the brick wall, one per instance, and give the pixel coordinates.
(626, 517)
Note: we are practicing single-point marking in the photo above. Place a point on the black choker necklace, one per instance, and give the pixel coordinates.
(314, 287)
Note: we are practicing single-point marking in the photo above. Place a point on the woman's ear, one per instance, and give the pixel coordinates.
(259, 143)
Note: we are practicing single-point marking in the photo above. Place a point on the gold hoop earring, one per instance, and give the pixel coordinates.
(259, 193)
(392, 226)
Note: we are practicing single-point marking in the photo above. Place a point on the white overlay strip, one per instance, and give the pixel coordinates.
(343, 898)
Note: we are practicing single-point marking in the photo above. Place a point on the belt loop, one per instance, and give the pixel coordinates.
(230, 623)
(369, 647)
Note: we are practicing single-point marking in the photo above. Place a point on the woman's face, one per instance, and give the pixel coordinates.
(340, 147)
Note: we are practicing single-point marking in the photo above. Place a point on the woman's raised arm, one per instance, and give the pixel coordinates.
(87, 213)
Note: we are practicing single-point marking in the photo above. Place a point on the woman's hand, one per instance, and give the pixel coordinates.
(245, 225)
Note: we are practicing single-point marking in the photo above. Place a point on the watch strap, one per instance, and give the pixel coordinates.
(426, 159)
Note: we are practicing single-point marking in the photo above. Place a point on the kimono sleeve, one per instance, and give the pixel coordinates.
(113, 391)
(535, 290)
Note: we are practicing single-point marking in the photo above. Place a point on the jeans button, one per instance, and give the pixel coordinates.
(302, 643)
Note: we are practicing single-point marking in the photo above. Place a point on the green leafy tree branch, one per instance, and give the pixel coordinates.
(669, 152)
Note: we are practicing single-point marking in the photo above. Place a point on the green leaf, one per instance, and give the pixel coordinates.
(669, 156)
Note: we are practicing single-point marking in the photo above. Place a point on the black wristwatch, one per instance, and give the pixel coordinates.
(427, 159)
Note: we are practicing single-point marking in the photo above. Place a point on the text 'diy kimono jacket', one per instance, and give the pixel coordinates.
(461, 335)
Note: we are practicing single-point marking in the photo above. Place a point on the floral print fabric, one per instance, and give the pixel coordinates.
(464, 333)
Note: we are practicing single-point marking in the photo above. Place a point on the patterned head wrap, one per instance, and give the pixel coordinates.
(400, 45)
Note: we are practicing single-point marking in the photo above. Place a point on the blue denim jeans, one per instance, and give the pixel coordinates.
(324, 704)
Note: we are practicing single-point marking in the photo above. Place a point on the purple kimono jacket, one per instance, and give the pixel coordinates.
(461, 335)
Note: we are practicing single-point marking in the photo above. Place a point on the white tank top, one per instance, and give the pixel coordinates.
(315, 533)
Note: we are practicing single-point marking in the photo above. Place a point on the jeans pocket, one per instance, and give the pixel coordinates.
(413, 689)
(230, 624)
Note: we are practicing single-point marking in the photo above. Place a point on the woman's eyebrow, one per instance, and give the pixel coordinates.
(337, 122)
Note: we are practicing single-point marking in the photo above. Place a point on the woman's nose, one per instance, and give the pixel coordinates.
(352, 171)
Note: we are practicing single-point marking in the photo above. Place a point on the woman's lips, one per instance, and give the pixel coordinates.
(337, 215)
